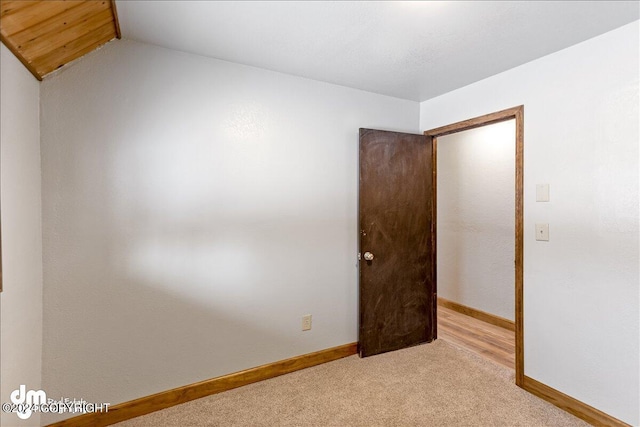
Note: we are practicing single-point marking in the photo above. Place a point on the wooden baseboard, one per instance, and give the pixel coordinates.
(145, 405)
(478, 314)
(571, 405)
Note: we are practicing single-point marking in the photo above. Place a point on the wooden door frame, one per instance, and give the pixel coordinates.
(516, 113)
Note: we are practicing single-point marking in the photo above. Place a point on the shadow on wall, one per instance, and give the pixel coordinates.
(142, 298)
(144, 292)
(179, 247)
(134, 340)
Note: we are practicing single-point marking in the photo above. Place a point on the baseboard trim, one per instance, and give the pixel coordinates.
(571, 405)
(145, 405)
(478, 314)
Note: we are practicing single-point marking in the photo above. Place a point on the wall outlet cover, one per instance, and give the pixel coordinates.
(306, 322)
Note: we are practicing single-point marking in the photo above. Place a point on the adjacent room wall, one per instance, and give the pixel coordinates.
(21, 299)
(581, 137)
(476, 218)
(194, 210)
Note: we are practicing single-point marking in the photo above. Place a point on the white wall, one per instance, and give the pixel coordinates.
(580, 288)
(21, 299)
(193, 211)
(476, 218)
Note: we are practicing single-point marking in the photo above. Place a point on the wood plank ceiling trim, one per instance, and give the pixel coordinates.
(47, 34)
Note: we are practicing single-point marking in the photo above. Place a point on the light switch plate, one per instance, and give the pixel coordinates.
(542, 232)
(542, 193)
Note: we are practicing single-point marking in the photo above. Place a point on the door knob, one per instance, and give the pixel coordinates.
(368, 256)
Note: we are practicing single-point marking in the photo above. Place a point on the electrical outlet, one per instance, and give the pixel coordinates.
(306, 322)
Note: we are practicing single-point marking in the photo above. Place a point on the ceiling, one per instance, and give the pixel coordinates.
(45, 35)
(411, 50)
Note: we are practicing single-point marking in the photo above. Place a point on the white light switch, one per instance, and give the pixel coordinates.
(542, 193)
(542, 232)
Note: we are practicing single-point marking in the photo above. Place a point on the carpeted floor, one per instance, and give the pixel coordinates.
(434, 384)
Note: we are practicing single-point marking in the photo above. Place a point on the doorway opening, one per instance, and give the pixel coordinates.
(451, 308)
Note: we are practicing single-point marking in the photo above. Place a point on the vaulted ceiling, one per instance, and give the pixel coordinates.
(412, 50)
(45, 35)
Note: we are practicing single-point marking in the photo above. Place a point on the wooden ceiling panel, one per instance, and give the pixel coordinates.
(47, 34)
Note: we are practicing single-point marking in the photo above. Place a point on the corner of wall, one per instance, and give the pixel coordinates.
(21, 303)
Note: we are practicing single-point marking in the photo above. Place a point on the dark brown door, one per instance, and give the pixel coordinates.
(397, 246)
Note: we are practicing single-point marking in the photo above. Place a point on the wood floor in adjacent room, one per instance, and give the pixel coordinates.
(486, 340)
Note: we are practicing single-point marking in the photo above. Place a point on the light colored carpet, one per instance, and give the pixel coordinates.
(434, 384)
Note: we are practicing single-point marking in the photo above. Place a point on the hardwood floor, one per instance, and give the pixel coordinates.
(489, 341)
